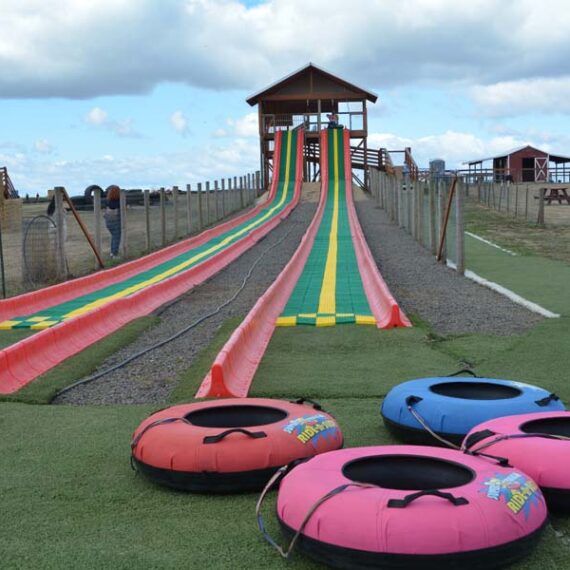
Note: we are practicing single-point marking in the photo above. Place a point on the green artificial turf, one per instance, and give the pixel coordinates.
(543, 281)
(8, 338)
(70, 500)
(44, 388)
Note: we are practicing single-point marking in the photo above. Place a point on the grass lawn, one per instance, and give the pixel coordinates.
(70, 500)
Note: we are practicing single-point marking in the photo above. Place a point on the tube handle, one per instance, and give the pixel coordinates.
(552, 397)
(403, 503)
(220, 436)
(315, 405)
(464, 371)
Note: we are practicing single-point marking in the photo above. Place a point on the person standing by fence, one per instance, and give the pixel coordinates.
(112, 217)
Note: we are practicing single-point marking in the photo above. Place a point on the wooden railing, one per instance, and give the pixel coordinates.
(375, 158)
(6, 186)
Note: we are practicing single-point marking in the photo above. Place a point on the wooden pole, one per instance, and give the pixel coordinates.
(541, 198)
(200, 214)
(188, 209)
(162, 217)
(446, 219)
(97, 221)
(223, 197)
(242, 192)
(217, 195)
(432, 218)
(82, 226)
(460, 230)
(146, 198)
(208, 203)
(124, 237)
(60, 232)
(175, 208)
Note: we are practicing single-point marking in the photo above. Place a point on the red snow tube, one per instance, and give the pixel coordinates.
(230, 445)
(538, 444)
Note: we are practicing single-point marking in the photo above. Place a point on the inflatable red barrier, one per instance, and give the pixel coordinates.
(26, 360)
(36, 301)
(234, 367)
(383, 305)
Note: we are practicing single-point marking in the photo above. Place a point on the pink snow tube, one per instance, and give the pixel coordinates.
(538, 444)
(409, 507)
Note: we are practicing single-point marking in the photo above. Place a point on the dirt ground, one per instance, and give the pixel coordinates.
(552, 241)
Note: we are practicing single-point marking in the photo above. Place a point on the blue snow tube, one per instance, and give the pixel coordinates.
(451, 406)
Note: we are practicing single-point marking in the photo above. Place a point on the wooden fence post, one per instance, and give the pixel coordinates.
(460, 228)
(146, 199)
(200, 213)
(541, 198)
(61, 266)
(97, 221)
(188, 209)
(235, 197)
(124, 227)
(223, 198)
(432, 219)
(242, 192)
(208, 217)
(217, 195)
(162, 217)
(257, 183)
(175, 208)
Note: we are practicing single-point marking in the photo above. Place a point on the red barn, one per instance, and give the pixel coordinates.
(523, 164)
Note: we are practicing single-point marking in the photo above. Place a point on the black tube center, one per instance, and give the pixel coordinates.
(551, 426)
(475, 390)
(236, 416)
(408, 472)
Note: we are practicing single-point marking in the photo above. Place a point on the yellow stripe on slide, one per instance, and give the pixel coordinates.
(327, 299)
(195, 258)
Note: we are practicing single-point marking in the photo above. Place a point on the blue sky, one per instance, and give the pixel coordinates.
(151, 93)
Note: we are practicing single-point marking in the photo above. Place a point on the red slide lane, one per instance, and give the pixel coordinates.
(235, 366)
(384, 307)
(26, 360)
(233, 370)
(35, 301)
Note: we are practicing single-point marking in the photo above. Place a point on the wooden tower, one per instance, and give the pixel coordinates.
(304, 99)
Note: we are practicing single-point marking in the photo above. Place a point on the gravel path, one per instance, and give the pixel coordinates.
(451, 303)
(151, 378)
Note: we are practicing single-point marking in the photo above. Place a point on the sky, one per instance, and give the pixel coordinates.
(150, 93)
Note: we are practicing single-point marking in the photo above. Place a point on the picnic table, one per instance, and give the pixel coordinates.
(558, 194)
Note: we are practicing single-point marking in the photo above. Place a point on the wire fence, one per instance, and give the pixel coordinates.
(431, 211)
(40, 248)
(534, 202)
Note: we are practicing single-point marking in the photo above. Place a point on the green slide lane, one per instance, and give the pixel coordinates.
(80, 305)
(330, 289)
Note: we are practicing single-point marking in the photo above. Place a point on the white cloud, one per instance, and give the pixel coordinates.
(33, 172)
(179, 123)
(511, 98)
(454, 147)
(122, 128)
(43, 146)
(246, 126)
(96, 116)
(45, 53)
